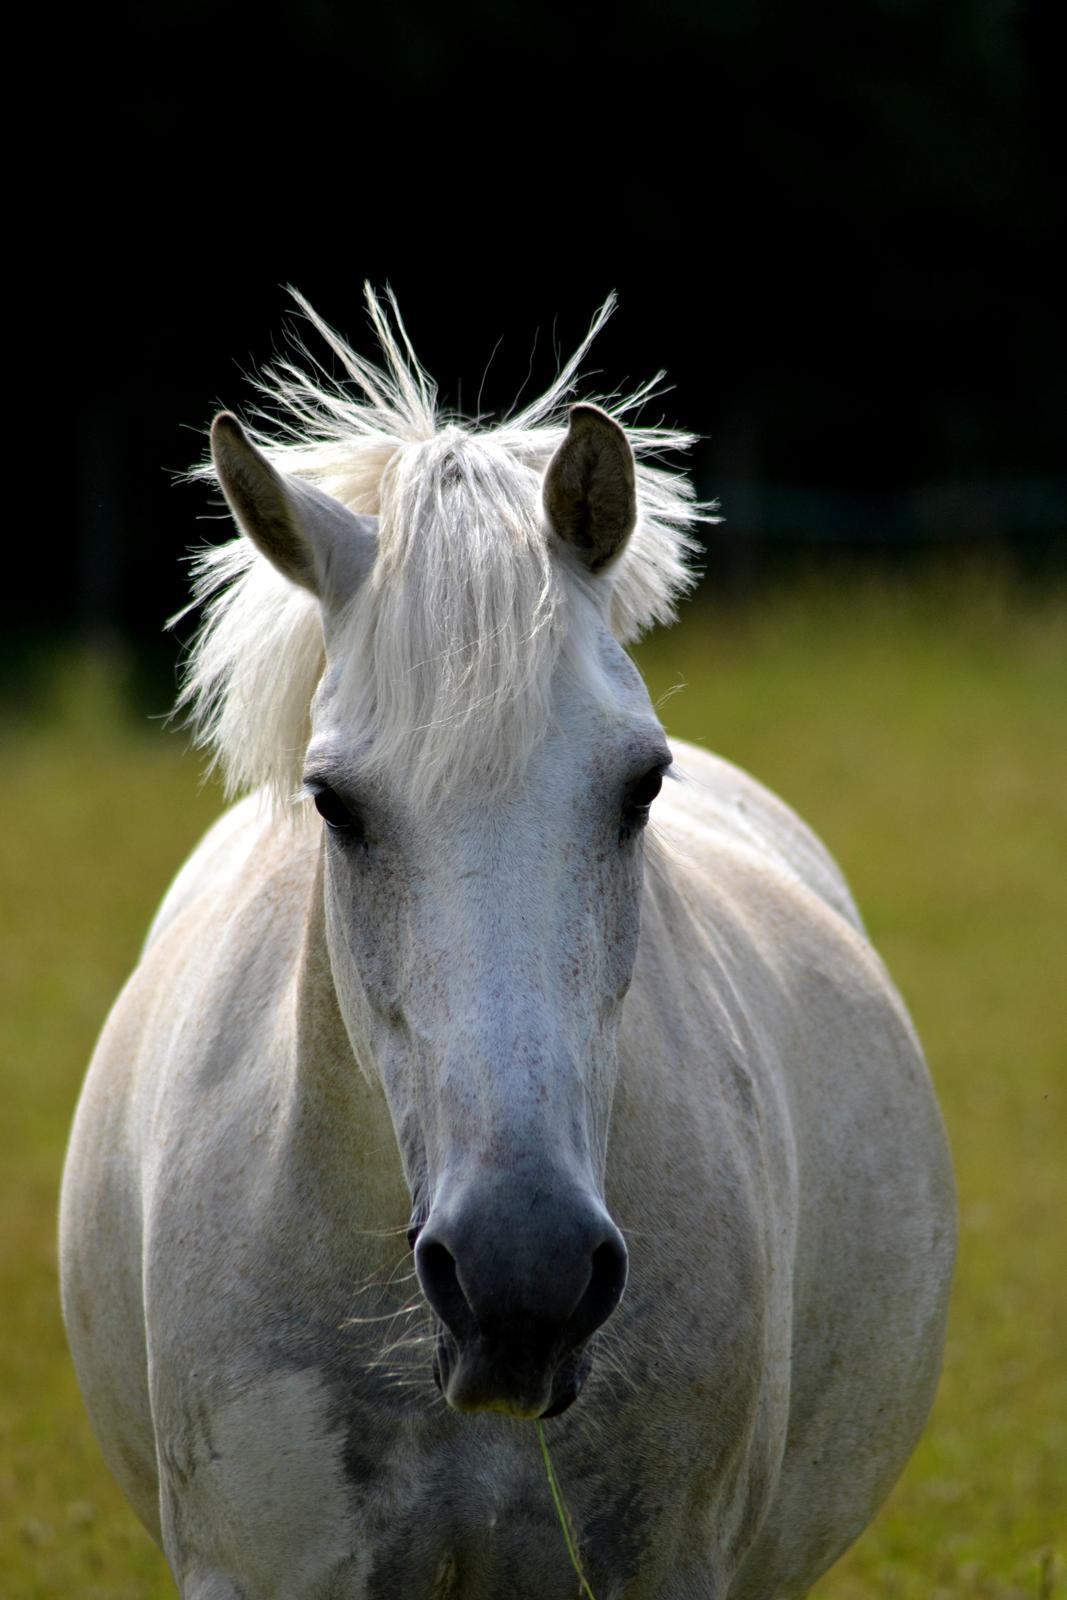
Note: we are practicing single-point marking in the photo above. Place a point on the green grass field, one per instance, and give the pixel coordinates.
(922, 729)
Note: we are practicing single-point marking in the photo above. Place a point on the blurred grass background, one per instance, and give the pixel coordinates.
(920, 725)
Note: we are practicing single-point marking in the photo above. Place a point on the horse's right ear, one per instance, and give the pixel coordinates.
(310, 537)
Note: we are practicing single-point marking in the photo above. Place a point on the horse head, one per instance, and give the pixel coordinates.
(483, 756)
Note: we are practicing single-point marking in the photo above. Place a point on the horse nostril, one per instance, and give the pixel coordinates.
(603, 1292)
(436, 1268)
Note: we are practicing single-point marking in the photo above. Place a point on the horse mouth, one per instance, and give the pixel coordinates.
(486, 1380)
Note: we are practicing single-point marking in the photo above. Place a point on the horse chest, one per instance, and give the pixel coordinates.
(301, 1487)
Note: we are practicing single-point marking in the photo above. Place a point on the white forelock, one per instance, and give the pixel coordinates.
(445, 657)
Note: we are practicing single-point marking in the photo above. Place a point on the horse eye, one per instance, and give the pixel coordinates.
(333, 811)
(645, 790)
(639, 797)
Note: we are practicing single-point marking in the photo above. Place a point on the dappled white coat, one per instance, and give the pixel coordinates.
(254, 1130)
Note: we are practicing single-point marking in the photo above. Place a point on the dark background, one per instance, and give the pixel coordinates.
(835, 225)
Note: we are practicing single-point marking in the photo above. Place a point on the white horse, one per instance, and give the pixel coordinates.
(482, 1008)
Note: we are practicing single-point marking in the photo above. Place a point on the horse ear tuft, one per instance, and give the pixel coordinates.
(590, 496)
(259, 500)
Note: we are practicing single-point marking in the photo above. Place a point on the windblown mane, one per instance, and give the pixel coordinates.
(459, 627)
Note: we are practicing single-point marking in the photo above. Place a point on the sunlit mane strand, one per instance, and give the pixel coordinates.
(450, 646)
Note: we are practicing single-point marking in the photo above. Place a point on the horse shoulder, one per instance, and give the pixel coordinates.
(763, 1026)
(177, 1019)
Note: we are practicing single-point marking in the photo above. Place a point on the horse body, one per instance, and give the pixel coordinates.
(315, 1045)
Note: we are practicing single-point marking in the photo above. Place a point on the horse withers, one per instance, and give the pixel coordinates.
(493, 1060)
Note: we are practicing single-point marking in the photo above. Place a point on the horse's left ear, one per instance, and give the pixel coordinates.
(590, 495)
(310, 537)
